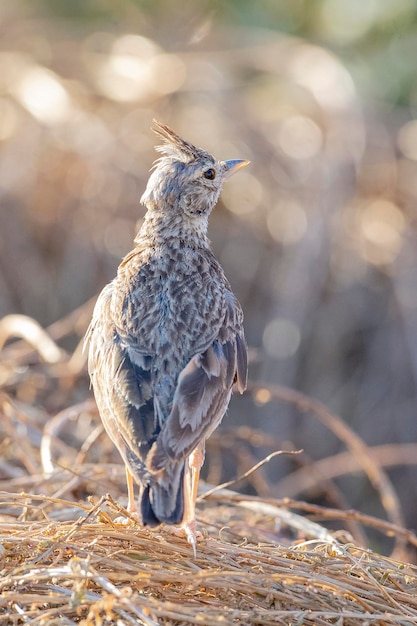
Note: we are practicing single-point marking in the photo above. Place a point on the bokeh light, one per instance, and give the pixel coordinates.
(281, 338)
(300, 137)
(42, 93)
(287, 221)
(381, 225)
(242, 194)
(407, 140)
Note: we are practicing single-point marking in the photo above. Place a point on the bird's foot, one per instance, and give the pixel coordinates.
(192, 535)
(130, 520)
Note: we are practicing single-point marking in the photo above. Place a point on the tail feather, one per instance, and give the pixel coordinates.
(162, 501)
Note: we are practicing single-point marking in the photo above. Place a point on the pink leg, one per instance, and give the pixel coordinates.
(131, 503)
(191, 478)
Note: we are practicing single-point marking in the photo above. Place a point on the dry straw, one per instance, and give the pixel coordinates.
(64, 560)
(67, 563)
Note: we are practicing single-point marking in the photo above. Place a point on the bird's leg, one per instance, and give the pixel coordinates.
(191, 478)
(195, 463)
(131, 503)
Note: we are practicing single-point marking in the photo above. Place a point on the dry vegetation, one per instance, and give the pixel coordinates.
(91, 571)
(65, 560)
(318, 238)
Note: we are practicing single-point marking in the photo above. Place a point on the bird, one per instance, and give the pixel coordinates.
(166, 341)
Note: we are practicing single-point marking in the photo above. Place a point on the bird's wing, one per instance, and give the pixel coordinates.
(203, 391)
(121, 377)
(133, 403)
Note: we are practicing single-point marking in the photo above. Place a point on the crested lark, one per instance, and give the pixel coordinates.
(166, 341)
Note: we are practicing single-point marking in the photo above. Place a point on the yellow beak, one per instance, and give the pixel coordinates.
(231, 167)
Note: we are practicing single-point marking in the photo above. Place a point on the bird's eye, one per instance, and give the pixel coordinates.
(210, 174)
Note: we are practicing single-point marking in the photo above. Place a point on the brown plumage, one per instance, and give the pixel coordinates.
(166, 341)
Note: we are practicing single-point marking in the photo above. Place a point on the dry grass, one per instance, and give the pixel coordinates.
(67, 563)
(64, 559)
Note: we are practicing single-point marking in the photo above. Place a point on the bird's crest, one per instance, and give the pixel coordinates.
(174, 146)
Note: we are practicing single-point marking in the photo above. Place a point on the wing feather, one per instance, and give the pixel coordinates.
(200, 401)
(241, 362)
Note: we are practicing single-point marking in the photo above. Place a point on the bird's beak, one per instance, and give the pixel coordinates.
(231, 167)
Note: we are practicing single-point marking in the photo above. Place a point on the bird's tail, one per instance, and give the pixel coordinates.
(162, 501)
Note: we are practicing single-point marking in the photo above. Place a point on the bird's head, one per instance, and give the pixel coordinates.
(185, 178)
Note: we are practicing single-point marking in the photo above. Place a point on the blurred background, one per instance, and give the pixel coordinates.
(317, 236)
